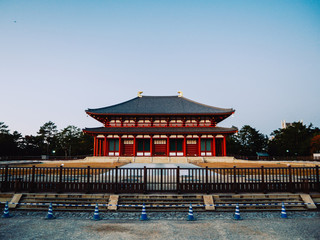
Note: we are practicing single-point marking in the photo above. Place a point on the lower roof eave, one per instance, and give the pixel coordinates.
(160, 131)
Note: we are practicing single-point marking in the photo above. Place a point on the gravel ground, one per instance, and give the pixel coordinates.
(213, 225)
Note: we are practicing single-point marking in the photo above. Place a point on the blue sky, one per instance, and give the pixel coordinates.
(58, 58)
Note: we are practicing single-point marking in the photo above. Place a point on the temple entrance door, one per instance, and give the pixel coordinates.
(127, 147)
(160, 147)
(205, 147)
(143, 147)
(113, 147)
(219, 144)
(176, 147)
(192, 147)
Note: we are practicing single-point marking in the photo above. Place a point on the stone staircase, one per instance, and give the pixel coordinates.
(226, 202)
(161, 203)
(72, 202)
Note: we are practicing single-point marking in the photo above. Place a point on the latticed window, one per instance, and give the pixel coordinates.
(127, 142)
(206, 145)
(191, 123)
(176, 145)
(160, 123)
(158, 141)
(205, 123)
(115, 123)
(143, 145)
(129, 123)
(189, 141)
(144, 123)
(114, 145)
(175, 123)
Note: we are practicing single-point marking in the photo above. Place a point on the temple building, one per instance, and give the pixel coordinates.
(160, 126)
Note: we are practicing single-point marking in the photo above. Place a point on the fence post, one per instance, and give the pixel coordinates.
(263, 185)
(116, 182)
(178, 179)
(235, 187)
(5, 183)
(207, 180)
(317, 178)
(290, 179)
(33, 172)
(145, 179)
(88, 179)
(60, 179)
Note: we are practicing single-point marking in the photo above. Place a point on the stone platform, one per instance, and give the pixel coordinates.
(159, 159)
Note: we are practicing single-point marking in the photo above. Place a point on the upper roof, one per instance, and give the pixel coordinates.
(160, 105)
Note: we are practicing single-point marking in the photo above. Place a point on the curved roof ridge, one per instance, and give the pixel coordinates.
(160, 105)
(114, 105)
(205, 105)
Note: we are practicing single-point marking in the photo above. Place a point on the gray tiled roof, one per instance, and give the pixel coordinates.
(160, 105)
(161, 130)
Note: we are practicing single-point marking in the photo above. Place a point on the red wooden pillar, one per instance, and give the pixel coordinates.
(105, 146)
(120, 145)
(199, 145)
(214, 146)
(168, 145)
(151, 145)
(99, 146)
(94, 145)
(184, 145)
(224, 146)
(134, 145)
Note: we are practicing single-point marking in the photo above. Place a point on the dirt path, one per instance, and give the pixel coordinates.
(31, 228)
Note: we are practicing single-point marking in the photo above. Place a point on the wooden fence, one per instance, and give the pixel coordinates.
(152, 180)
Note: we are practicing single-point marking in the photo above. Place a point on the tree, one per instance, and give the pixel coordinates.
(233, 145)
(3, 128)
(69, 139)
(31, 145)
(9, 143)
(249, 141)
(293, 140)
(86, 144)
(48, 135)
(315, 144)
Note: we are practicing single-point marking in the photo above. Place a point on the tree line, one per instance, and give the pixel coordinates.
(70, 141)
(295, 140)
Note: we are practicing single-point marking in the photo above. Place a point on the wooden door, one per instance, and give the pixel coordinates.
(192, 147)
(159, 147)
(127, 147)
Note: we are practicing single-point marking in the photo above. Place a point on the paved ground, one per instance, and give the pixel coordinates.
(221, 226)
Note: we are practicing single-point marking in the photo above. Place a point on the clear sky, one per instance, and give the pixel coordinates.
(58, 58)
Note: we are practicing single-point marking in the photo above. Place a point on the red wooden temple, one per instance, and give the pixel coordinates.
(160, 126)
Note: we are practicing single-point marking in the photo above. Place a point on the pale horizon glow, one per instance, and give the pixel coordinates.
(59, 58)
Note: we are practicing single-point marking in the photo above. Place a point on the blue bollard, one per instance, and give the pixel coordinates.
(237, 213)
(283, 211)
(6, 211)
(190, 214)
(50, 215)
(96, 216)
(143, 216)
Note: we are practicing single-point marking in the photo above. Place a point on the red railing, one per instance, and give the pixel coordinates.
(150, 180)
